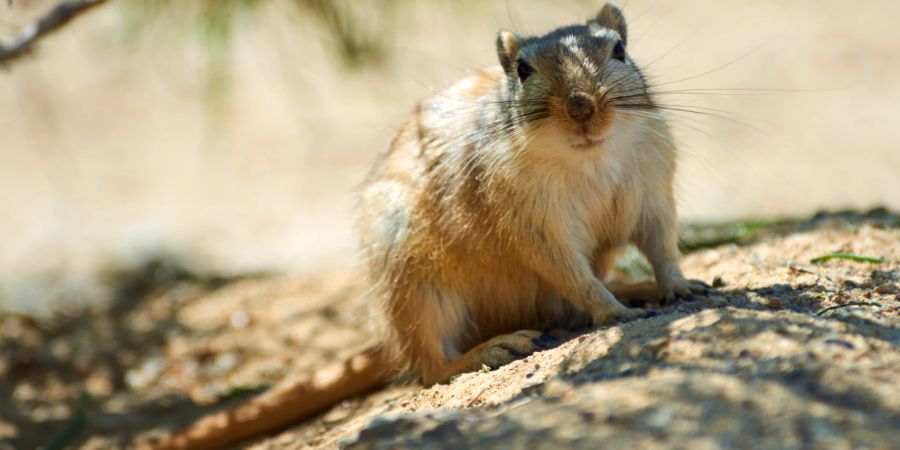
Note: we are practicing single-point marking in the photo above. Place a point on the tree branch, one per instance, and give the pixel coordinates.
(59, 16)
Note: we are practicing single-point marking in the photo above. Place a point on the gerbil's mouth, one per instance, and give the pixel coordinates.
(589, 136)
(585, 142)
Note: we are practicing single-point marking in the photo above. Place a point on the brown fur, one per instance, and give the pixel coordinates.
(477, 242)
(495, 215)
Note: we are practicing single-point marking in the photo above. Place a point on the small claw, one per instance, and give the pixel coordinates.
(545, 341)
(641, 314)
(512, 351)
(700, 287)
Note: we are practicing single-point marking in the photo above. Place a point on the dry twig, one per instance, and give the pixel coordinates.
(59, 16)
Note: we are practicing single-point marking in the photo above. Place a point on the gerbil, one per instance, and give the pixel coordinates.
(495, 214)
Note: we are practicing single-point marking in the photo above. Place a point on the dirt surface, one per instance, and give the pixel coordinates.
(760, 362)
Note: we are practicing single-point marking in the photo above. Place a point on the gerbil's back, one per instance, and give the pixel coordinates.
(398, 195)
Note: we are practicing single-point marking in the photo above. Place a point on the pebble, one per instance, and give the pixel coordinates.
(840, 342)
(239, 319)
(145, 374)
(718, 282)
(881, 276)
(887, 288)
(661, 418)
(223, 364)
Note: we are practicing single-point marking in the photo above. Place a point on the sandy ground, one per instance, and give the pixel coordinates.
(110, 153)
(759, 363)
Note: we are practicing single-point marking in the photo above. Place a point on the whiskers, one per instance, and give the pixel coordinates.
(648, 98)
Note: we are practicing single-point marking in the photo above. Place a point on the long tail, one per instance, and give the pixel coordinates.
(283, 405)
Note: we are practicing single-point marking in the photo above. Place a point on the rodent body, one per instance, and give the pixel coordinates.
(495, 215)
(502, 201)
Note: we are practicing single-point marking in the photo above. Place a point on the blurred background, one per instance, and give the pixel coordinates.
(230, 135)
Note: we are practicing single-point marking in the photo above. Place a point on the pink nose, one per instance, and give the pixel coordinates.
(580, 107)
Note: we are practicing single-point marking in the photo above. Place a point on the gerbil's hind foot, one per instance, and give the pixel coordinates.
(618, 313)
(503, 349)
(629, 314)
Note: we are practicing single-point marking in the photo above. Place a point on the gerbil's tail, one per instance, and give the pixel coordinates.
(283, 405)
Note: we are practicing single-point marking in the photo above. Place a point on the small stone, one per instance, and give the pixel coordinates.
(556, 388)
(223, 364)
(25, 392)
(840, 342)
(446, 433)
(148, 372)
(530, 386)
(239, 319)
(661, 418)
(882, 276)
(336, 415)
(346, 441)
(99, 383)
(718, 282)
(887, 288)
(635, 351)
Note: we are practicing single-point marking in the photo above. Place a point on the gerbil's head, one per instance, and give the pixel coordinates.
(569, 81)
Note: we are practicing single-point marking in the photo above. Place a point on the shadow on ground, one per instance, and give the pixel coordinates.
(761, 360)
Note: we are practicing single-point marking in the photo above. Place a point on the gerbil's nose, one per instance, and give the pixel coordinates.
(580, 107)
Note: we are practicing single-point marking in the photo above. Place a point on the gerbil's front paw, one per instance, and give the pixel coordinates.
(681, 288)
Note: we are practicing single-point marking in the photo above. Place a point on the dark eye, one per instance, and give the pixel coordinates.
(523, 69)
(619, 51)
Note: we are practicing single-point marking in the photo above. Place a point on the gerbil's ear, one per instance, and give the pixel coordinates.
(507, 50)
(610, 16)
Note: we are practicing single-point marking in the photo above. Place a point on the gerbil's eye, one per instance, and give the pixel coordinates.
(619, 51)
(523, 69)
